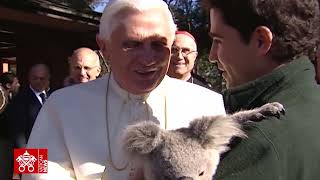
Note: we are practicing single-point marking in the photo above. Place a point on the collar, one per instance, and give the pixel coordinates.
(188, 78)
(259, 91)
(127, 96)
(35, 92)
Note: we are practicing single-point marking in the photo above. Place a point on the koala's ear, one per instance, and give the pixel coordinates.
(216, 132)
(142, 138)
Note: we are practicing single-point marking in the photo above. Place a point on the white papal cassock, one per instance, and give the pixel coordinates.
(73, 123)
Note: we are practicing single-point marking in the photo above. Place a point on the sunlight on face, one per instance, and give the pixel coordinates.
(84, 69)
(233, 56)
(184, 54)
(139, 50)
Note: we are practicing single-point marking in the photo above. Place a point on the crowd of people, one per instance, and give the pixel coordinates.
(264, 50)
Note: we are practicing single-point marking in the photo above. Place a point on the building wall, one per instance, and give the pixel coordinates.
(36, 44)
(42, 38)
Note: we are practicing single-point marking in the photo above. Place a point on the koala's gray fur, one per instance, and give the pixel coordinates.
(191, 153)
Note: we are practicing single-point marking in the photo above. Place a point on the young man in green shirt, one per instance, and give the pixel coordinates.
(263, 48)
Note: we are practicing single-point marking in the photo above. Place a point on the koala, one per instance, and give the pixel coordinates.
(191, 153)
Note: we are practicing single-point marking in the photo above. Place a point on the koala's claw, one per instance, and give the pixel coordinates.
(278, 114)
(272, 109)
(258, 114)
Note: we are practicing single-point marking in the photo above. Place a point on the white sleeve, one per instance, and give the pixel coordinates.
(213, 104)
(47, 133)
(219, 105)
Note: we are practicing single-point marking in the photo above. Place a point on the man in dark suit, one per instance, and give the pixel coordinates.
(23, 110)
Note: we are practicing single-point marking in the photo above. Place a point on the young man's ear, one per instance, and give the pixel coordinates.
(262, 39)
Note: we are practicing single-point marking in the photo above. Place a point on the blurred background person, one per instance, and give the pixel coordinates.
(183, 56)
(9, 86)
(25, 106)
(84, 66)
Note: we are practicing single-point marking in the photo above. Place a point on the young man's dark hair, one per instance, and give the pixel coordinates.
(293, 35)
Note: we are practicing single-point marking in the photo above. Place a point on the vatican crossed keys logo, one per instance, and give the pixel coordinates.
(30, 161)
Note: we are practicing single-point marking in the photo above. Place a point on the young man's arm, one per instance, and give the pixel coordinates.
(254, 158)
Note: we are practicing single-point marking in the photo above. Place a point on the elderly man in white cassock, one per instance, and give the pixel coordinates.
(82, 125)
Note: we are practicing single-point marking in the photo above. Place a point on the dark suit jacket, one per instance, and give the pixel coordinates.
(196, 79)
(22, 113)
(6, 158)
(6, 147)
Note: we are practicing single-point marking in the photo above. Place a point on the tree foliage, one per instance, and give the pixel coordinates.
(190, 16)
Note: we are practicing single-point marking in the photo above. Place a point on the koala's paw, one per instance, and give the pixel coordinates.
(270, 109)
(260, 113)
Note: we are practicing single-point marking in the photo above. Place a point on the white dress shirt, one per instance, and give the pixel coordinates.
(37, 94)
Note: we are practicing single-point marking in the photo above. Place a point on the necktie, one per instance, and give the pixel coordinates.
(43, 97)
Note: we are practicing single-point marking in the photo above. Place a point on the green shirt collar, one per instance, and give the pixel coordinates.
(250, 95)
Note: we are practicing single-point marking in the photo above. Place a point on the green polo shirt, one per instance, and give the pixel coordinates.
(285, 149)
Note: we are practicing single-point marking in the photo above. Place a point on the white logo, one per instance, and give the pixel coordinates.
(26, 160)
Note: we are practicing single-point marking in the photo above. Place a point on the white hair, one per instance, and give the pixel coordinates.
(109, 21)
(84, 51)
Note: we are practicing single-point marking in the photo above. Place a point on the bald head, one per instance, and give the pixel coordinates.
(84, 65)
(39, 75)
(85, 52)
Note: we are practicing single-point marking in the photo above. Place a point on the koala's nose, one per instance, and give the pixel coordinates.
(185, 178)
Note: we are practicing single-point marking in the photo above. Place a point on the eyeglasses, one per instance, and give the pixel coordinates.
(184, 51)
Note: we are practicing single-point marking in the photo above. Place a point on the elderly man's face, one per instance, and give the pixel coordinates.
(139, 51)
(84, 68)
(39, 79)
(184, 54)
